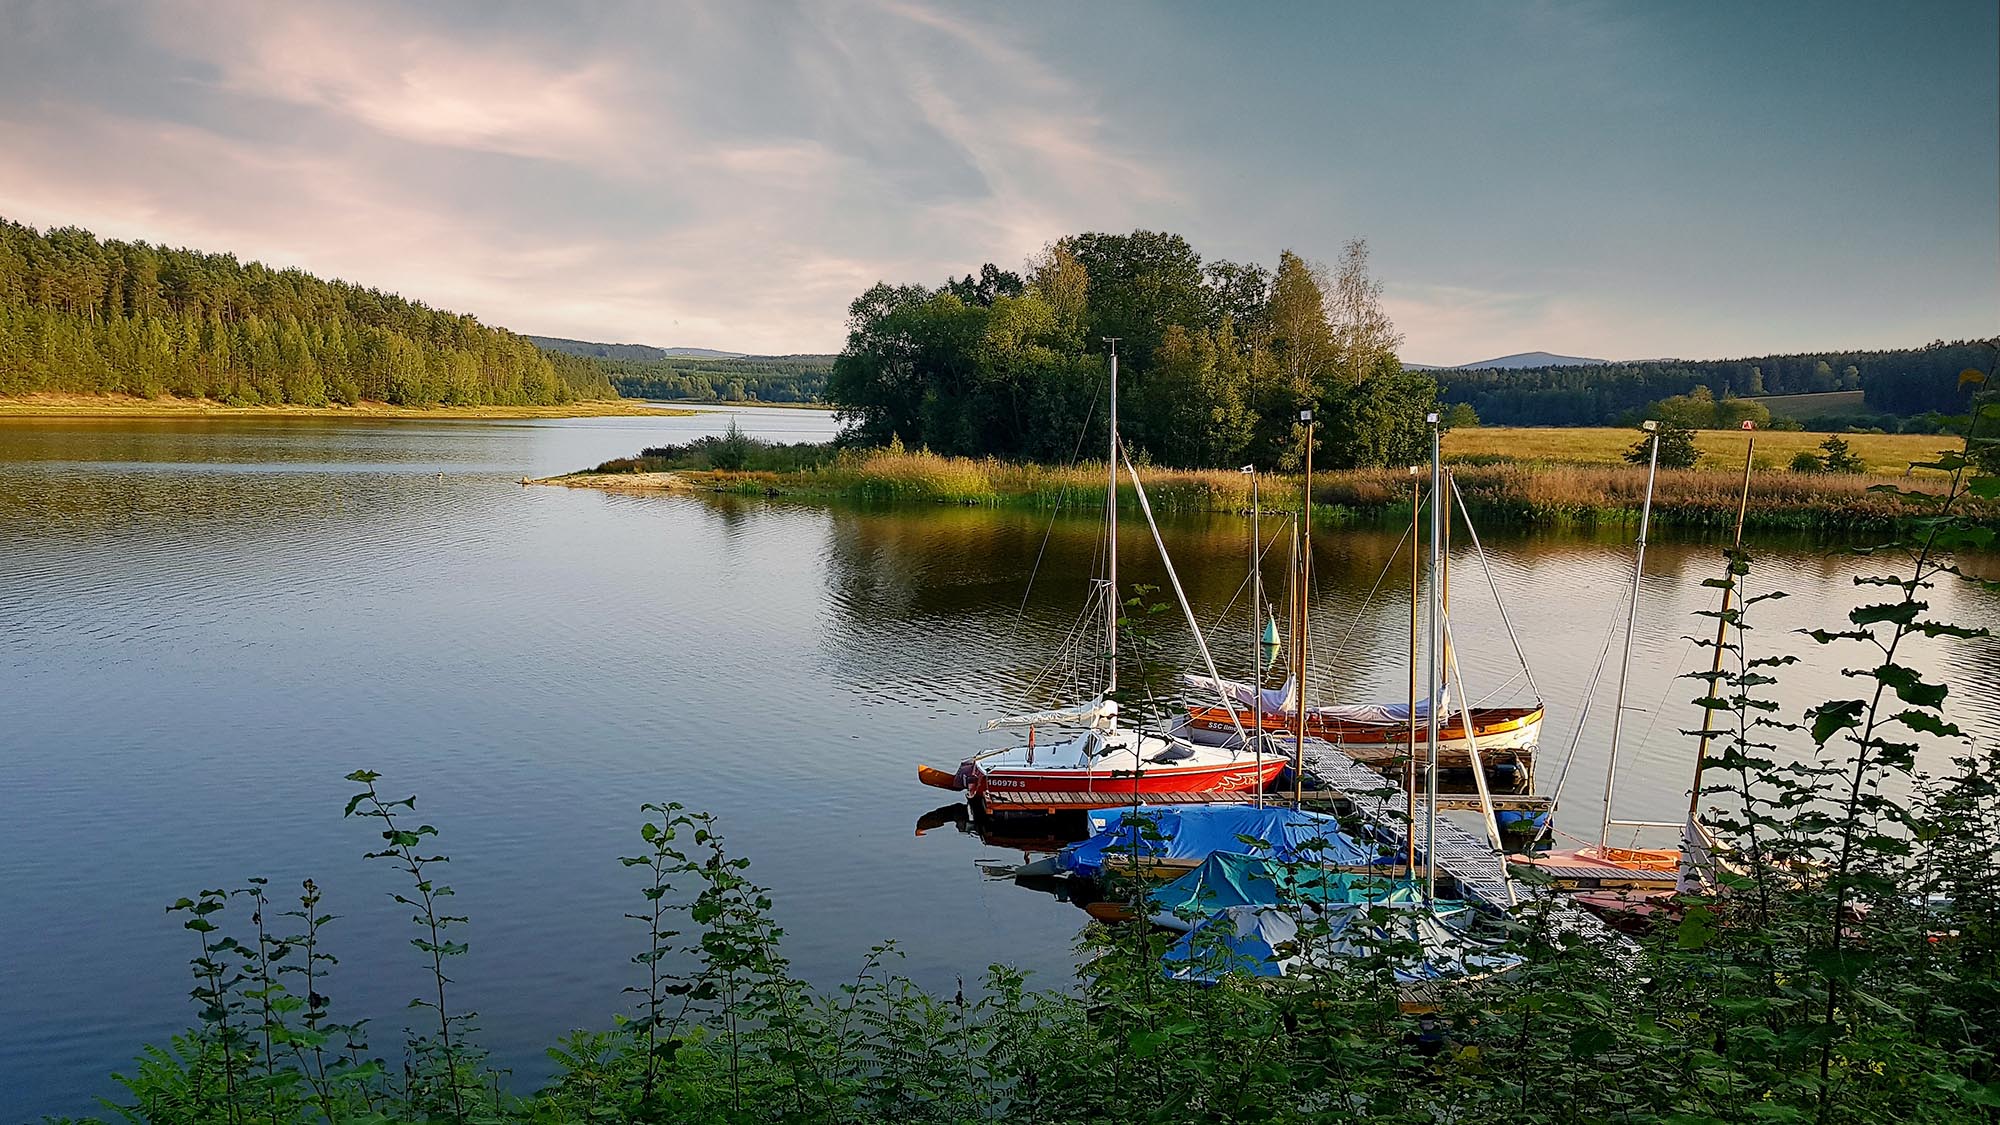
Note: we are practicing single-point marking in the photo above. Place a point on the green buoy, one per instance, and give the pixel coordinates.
(1271, 632)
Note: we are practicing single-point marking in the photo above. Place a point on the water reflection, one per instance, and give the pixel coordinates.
(206, 623)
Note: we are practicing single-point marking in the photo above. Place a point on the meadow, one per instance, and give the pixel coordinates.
(1885, 454)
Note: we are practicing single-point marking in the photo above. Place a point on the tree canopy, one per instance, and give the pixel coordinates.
(79, 315)
(1217, 359)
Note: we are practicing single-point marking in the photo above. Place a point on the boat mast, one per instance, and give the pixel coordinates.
(1631, 621)
(1256, 629)
(1111, 535)
(1690, 830)
(1305, 633)
(1430, 684)
(1410, 755)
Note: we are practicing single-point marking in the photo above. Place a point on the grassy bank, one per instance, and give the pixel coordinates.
(1503, 493)
(1887, 454)
(129, 406)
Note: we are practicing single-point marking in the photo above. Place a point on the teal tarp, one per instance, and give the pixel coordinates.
(1228, 879)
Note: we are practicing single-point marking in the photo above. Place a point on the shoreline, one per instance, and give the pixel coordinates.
(126, 406)
(1514, 495)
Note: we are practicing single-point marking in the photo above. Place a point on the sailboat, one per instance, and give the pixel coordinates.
(1096, 759)
(1631, 877)
(1379, 733)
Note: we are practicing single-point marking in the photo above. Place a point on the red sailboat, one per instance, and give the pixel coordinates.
(1097, 758)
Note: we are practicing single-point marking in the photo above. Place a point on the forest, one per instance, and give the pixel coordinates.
(784, 378)
(1217, 359)
(84, 316)
(1902, 383)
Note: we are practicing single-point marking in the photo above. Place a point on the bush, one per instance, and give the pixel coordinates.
(1806, 461)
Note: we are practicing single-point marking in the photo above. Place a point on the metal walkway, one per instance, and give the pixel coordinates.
(1480, 871)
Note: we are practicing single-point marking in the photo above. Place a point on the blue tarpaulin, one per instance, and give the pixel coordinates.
(1275, 941)
(1192, 833)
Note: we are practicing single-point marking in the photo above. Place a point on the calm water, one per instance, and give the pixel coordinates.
(205, 624)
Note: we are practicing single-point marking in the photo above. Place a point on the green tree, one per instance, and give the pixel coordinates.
(1459, 416)
(1836, 457)
(1677, 449)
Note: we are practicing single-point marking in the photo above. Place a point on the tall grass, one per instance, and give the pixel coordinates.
(1580, 495)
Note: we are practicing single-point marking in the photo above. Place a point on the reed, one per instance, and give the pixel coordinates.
(1509, 493)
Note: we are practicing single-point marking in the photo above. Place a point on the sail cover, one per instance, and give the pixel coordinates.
(1277, 701)
(1192, 833)
(1274, 941)
(1383, 714)
(1098, 712)
(1227, 879)
(1282, 701)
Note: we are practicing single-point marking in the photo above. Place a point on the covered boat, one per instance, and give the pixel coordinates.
(1425, 944)
(1228, 879)
(1169, 838)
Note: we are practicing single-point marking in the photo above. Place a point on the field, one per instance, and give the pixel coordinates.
(1885, 454)
(1813, 405)
(127, 406)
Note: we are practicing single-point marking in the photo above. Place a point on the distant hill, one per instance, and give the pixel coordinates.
(1515, 361)
(1891, 385)
(625, 351)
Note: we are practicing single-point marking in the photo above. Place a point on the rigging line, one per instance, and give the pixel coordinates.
(1241, 586)
(1589, 695)
(1494, 585)
(1666, 691)
(1341, 647)
(1061, 494)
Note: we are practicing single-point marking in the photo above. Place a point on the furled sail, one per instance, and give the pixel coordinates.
(1098, 712)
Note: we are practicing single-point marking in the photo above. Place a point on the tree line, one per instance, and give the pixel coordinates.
(80, 315)
(1903, 383)
(1217, 359)
(800, 378)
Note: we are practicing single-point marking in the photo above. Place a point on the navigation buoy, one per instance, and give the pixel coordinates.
(1271, 632)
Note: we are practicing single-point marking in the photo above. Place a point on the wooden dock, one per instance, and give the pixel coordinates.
(1004, 803)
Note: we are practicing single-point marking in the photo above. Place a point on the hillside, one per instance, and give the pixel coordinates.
(624, 351)
(1899, 383)
(84, 316)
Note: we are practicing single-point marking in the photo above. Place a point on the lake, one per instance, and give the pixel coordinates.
(206, 623)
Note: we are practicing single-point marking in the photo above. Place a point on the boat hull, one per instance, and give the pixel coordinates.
(1505, 734)
(1117, 786)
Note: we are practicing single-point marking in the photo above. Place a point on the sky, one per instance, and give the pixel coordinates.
(1616, 180)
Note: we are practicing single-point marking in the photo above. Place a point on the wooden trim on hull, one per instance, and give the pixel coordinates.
(1506, 735)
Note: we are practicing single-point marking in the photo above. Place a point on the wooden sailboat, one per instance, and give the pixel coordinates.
(1097, 759)
(1629, 882)
(1379, 734)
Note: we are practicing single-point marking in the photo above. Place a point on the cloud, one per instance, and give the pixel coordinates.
(446, 86)
(678, 175)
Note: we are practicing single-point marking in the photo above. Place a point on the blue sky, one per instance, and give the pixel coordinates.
(1607, 179)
